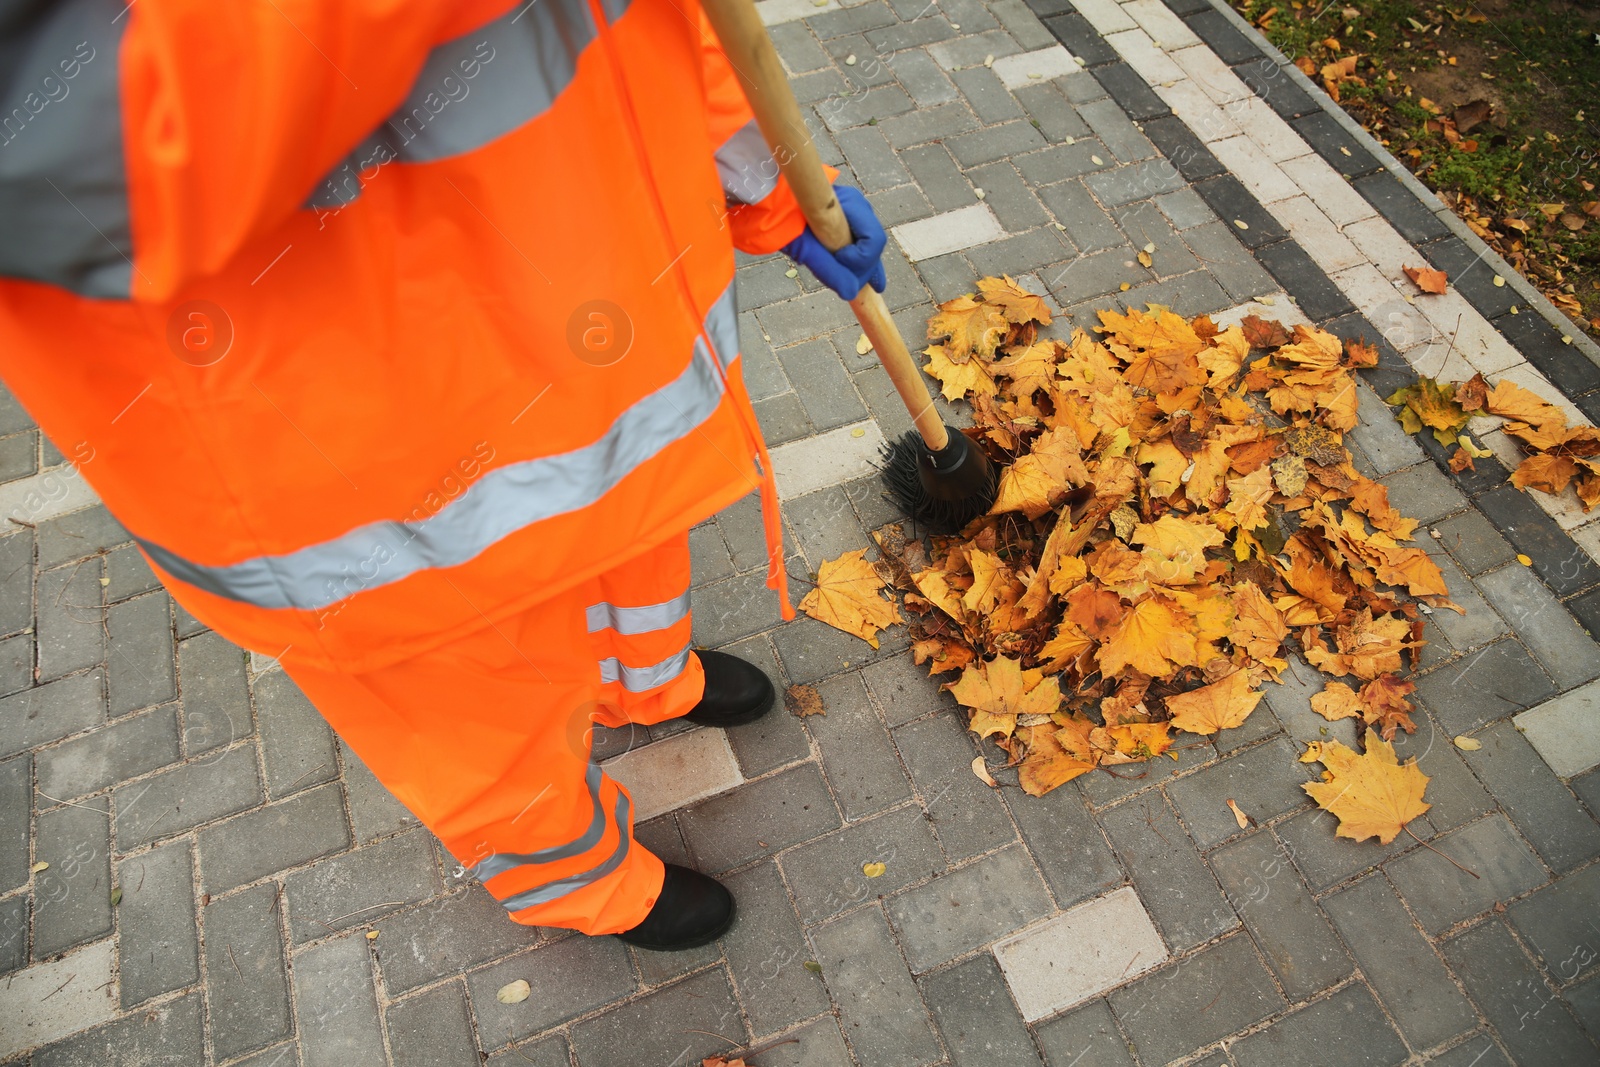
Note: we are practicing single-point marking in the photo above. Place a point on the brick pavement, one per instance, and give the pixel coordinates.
(219, 862)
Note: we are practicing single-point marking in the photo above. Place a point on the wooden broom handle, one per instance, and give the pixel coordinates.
(755, 62)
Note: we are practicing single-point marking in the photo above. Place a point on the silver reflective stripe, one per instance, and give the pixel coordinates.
(627, 621)
(614, 10)
(471, 91)
(63, 188)
(545, 893)
(722, 326)
(746, 167)
(499, 504)
(643, 679)
(501, 862)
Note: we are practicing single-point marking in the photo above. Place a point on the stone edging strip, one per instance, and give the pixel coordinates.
(1569, 360)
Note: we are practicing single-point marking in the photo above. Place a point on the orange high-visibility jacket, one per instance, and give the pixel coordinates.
(377, 321)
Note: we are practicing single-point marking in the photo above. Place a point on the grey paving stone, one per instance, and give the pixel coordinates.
(991, 101)
(1175, 885)
(1474, 542)
(708, 556)
(1025, 252)
(1326, 859)
(798, 48)
(1489, 684)
(1562, 647)
(1067, 845)
(880, 1011)
(1104, 789)
(13, 934)
(905, 37)
(374, 812)
(803, 317)
(13, 417)
(826, 874)
(1456, 795)
(247, 991)
(871, 159)
(1014, 203)
(552, 1051)
(903, 204)
(336, 1006)
(726, 611)
(1116, 132)
(759, 819)
(874, 105)
(1061, 162)
(71, 627)
(1051, 113)
(857, 757)
(1286, 923)
(165, 1036)
(16, 663)
(19, 456)
(772, 740)
(444, 936)
(856, 19)
(1422, 492)
(139, 668)
(1541, 806)
(16, 581)
(1584, 1000)
(72, 897)
(1096, 275)
(570, 977)
(1442, 896)
(1184, 209)
(185, 624)
(811, 650)
(158, 938)
(1090, 228)
(929, 124)
(112, 754)
(16, 807)
(359, 888)
(1380, 436)
(1345, 1029)
(1265, 781)
(922, 78)
(1399, 963)
(740, 523)
(972, 1009)
(1084, 1037)
(782, 419)
(78, 535)
(822, 385)
(767, 952)
(276, 837)
(1479, 625)
(1534, 1024)
(968, 907)
(433, 1029)
(1195, 293)
(216, 698)
(905, 691)
(995, 142)
(968, 817)
(1220, 991)
(818, 1044)
(763, 377)
(297, 746)
(675, 1024)
(1138, 181)
(1214, 244)
(1261, 723)
(1555, 923)
(1477, 1051)
(940, 180)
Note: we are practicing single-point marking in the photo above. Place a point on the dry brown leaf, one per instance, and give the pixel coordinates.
(999, 691)
(1427, 279)
(973, 328)
(1039, 481)
(1014, 302)
(803, 700)
(1337, 701)
(1152, 637)
(1219, 706)
(847, 598)
(1372, 794)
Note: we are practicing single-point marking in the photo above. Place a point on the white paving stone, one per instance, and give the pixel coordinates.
(1383, 246)
(1212, 75)
(1566, 730)
(1474, 336)
(1030, 68)
(1143, 56)
(774, 12)
(1164, 27)
(1282, 309)
(1198, 111)
(1251, 166)
(1588, 538)
(1106, 16)
(952, 231)
(1263, 126)
(666, 775)
(1317, 234)
(1328, 189)
(45, 495)
(1401, 324)
(831, 458)
(1085, 951)
(48, 1001)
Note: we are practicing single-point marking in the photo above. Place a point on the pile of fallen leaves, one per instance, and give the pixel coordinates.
(1556, 455)
(1176, 511)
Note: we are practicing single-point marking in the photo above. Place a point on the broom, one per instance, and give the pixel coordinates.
(935, 473)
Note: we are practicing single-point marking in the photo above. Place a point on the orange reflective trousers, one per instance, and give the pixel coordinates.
(487, 739)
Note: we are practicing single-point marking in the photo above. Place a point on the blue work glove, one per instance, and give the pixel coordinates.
(857, 264)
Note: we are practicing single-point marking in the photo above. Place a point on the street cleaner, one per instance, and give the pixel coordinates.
(402, 337)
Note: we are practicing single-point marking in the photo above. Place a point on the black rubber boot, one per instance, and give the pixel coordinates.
(692, 910)
(736, 692)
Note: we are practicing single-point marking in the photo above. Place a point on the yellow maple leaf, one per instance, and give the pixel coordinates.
(1167, 466)
(1551, 474)
(1260, 627)
(989, 580)
(1223, 704)
(1337, 701)
(1541, 424)
(1000, 690)
(1175, 550)
(1367, 646)
(1373, 795)
(1029, 369)
(1248, 496)
(1037, 482)
(956, 380)
(1063, 650)
(847, 597)
(974, 328)
(1152, 637)
(1015, 303)
(1048, 763)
